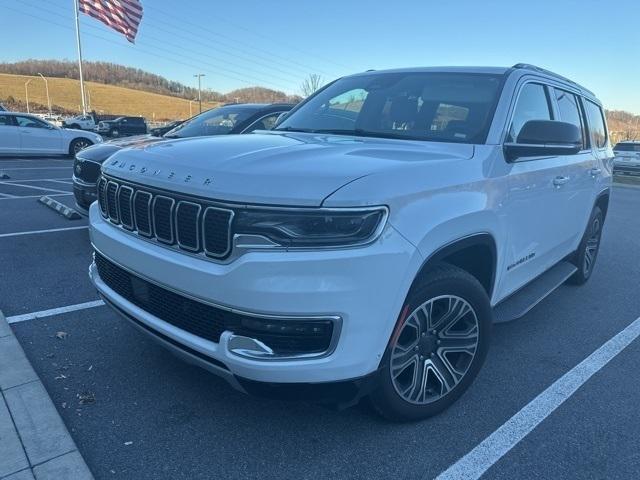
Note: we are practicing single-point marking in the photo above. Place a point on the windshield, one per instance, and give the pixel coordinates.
(627, 147)
(444, 107)
(218, 121)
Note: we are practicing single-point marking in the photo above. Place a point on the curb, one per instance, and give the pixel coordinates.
(35, 441)
(61, 208)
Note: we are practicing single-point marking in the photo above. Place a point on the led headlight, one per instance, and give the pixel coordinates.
(312, 228)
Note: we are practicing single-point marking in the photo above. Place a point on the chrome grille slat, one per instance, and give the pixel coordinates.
(112, 202)
(142, 212)
(174, 220)
(162, 216)
(188, 225)
(125, 196)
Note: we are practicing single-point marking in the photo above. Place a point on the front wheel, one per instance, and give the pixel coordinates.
(585, 257)
(79, 144)
(437, 348)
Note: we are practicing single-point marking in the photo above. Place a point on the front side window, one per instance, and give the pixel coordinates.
(429, 106)
(570, 110)
(30, 122)
(218, 121)
(596, 124)
(533, 104)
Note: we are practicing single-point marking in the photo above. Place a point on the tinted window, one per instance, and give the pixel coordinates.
(265, 123)
(217, 121)
(596, 124)
(29, 122)
(431, 106)
(570, 110)
(5, 120)
(532, 105)
(627, 147)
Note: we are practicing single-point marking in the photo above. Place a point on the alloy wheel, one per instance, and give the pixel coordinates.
(591, 248)
(80, 145)
(434, 349)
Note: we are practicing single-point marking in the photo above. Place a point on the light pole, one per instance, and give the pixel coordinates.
(46, 86)
(199, 75)
(26, 93)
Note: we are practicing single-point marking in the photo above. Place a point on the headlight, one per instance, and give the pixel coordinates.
(313, 228)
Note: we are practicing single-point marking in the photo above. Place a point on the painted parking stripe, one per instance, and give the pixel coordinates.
(32, 187)
(495, 446)
(6, 195)
(54, 311)
(35, 168)
(57, 180)
(34, 232)
(19, 197)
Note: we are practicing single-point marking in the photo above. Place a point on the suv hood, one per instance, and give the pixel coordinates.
(271, 168)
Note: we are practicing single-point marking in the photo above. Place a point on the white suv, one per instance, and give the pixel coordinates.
(365, 246)
(627, 157)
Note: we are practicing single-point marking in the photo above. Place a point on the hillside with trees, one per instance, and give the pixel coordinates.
(137, 79)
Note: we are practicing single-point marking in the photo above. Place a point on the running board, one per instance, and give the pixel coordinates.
(518, 304)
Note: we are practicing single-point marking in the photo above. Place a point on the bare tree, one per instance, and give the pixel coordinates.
(310, 84)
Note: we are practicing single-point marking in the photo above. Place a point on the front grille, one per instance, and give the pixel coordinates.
(172, 219)
(86, 170)
(207, 321)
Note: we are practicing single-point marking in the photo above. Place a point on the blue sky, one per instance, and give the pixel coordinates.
(276, 44)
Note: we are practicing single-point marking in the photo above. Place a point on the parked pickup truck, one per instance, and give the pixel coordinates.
(122, 127)
(366, 245)
(80, 122)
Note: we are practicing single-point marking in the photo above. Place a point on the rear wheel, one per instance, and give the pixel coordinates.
(79, 144)
(437, 348)
(585, 257)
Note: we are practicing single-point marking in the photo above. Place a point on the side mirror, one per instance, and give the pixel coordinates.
(540, 138)
(280, 118)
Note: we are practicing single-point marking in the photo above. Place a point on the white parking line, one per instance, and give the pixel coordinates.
(19, 197)
(6, 195)
(57, 180)
(54, 311)
(33, 168)
(33, 232)
(34, 188)
(496, 445)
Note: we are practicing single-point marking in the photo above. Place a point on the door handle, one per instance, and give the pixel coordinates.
(559, 181)
(595, 171)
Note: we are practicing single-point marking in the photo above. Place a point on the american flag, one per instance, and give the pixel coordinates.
(122, 15)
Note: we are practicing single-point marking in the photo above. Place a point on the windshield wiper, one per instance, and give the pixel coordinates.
(294, 129)
(358, 132)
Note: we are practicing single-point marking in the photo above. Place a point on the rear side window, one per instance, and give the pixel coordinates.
(533, 104)
(596, 124)
(570, 110)
(5, 120)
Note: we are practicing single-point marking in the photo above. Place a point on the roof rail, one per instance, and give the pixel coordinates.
(528, 66)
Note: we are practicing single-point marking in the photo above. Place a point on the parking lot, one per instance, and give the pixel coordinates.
(137, 412)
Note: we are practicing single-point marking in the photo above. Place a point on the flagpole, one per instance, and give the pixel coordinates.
(77, 13)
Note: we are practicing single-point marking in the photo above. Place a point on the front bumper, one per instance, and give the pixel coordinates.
(364, 287)
(85, 194)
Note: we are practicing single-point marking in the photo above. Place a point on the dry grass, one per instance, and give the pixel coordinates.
(108, 99)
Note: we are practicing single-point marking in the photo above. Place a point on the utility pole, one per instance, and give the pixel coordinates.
(26, 93)
(199, 75)
(76, 7)
(46, 86)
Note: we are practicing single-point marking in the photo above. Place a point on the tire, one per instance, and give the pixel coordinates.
(585, 257)
(79, 144)
(444, 290)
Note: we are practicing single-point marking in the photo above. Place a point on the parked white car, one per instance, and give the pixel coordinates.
(627, 160)
(26, 134)
(366, 244)
(80, 122)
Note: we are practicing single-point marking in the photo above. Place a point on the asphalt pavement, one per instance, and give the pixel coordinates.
(135, 411)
